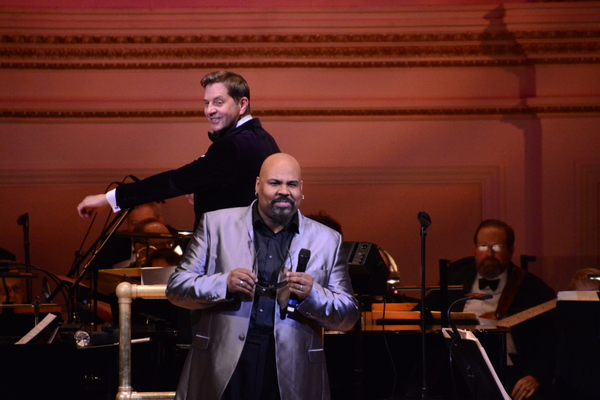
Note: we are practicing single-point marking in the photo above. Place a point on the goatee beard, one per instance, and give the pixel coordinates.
(282, 216)
(490, 268)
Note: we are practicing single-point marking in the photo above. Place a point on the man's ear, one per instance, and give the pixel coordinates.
(243, 105)
(257, 184)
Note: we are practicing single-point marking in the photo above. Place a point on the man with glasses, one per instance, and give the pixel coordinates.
(241, 272)
(532, 343)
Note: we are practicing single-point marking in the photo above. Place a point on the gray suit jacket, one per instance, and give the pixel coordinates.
(223, 242)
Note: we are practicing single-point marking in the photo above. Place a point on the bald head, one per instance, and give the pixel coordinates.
(280, 161)
(154, 228)
(279, 190)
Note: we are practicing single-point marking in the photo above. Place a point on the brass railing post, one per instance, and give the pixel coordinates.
(126, 292)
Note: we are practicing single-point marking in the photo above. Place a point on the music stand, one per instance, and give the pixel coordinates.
(474, 365)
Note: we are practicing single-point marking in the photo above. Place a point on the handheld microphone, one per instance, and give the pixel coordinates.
(303, 258)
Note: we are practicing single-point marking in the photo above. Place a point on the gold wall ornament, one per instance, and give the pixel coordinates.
(299, 38)
(308, 113)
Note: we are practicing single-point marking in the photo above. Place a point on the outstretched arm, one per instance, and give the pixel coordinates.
(91, 205)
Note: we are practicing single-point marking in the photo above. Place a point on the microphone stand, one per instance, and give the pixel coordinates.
(471, 296)
(93, 282)
(23, 221)
(425, 221)
(103, 238)
(455, 335)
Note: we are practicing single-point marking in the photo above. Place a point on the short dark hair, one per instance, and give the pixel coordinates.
(237, 87)
(496, 223)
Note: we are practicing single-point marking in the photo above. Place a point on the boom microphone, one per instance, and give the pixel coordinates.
(303, 258)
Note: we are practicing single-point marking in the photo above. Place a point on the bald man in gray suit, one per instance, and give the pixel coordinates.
(239, 273)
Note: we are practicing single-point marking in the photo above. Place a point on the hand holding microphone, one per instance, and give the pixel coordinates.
(300, 283)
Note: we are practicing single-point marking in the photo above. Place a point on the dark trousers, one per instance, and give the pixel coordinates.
(255, 376)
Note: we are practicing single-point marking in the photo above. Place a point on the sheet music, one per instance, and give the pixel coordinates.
(37, 329)
(584, 295)
(464, 334)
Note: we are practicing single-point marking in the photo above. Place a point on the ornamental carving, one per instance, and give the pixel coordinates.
(362, 113)
(306, 38)
(353, 51)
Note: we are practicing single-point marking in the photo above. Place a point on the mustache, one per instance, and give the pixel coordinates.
(490, 267)
(283, 198)
(489, 260)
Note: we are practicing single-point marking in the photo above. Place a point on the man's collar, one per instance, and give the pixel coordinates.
(257, 221)
(213, 136)
(243, 120)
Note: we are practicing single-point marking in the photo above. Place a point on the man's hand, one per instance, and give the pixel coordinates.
(300, 284)
(91, 205)
(525, 388)
(241, 280)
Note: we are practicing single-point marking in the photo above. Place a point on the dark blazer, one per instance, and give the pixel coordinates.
(535, 339)
(224, 177)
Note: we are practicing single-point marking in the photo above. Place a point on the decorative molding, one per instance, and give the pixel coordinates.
(490, 49)
(212, 65)
(161, 65)
(295, 38)
(293, 52)
(55, 177)
(489, 177)
(311, 113)
(502, 48)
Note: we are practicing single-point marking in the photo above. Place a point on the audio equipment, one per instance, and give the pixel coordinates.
(368, 271)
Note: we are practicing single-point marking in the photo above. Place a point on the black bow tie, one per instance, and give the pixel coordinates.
(492, 283)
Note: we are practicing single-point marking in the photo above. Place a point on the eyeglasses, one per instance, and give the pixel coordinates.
(263, 287)
(496, 248)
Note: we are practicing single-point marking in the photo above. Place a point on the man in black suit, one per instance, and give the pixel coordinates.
(531, 344)
(223, 177)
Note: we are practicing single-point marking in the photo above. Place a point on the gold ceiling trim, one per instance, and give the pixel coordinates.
(294, 38)
(318, 52)
(515, 62)
(464, 111)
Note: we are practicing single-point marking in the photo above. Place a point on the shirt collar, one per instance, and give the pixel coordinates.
(216, 136)
(257, 221)
(243, 120)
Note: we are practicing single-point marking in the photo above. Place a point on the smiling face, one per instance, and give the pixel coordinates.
(221, 109)
(279, 190)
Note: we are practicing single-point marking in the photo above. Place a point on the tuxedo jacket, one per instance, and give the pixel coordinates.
(224, 177)
(535, 339)
(223, 242)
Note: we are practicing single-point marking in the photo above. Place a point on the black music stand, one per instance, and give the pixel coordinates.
(368, 274)
(475, 366)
